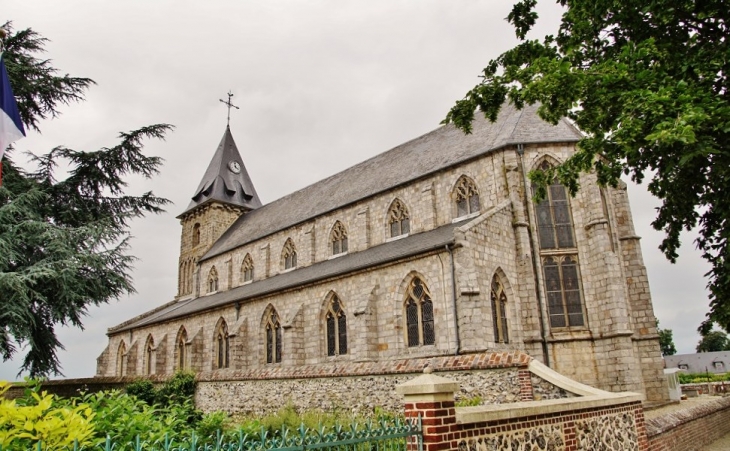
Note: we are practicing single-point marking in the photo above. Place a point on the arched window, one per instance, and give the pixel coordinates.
(554, 222)
(466, 196)
(180, 349)
(149, 354)
(196, 234)
(222, 345)
(419, 315)
(273, 337)
(563, 291)
(559, 256)
(122, 359)
(499, 311)
(336, 327)
(289, 255)
(247, 268)
(398, 219)
(212, 280)
(338, 238)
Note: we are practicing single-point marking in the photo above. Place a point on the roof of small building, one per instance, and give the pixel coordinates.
(444, 147)
(226, 180)
(699, 361)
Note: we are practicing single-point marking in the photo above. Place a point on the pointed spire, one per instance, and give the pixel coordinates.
(226, 179)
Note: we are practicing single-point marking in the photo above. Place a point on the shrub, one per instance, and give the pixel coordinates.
(40, 417)
(178, 389)
(142, 389)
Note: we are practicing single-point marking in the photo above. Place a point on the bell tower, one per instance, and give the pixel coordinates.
(225, 193)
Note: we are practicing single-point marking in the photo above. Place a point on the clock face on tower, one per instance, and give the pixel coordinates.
(234, 167)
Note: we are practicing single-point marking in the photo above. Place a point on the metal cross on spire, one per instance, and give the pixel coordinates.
(230, 94)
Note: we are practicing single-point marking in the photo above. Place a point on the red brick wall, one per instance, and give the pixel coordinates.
(690, 429)
(442, 432)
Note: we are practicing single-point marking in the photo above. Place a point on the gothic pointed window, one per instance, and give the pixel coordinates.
(499, 311)
(273, 337)
(289, 255)
(559, 255)
(122, 359)
(196, 234)
(212, 280)
(399, 220)
(180, 349)
(336, 327)
(419, 315)
(554, 222)
(149, 354)
(338, 238)
(222, 342)
(466, 196)
(247, 268)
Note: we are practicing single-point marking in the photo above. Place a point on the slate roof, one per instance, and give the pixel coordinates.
(700, 362)
(221, 184)
(444, 147)
(377, 255)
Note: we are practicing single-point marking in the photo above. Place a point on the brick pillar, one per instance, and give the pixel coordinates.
(525, 379)
(432, 397)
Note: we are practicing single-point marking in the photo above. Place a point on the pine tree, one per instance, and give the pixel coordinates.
(63, 243)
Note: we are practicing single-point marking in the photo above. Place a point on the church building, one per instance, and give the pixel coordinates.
(432, 248)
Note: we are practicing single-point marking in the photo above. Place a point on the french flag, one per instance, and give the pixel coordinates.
(11, 127)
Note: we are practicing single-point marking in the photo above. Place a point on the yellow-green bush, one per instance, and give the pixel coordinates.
(22, 426)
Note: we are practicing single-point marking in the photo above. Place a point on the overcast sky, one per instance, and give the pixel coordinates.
(321, 85)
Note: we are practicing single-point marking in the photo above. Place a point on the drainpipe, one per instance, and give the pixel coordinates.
(453, 299)
(535, 262)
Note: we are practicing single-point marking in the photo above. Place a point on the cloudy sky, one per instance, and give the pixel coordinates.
(321, 85)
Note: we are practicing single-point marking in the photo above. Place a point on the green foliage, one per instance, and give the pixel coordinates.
(714, 341)
(37, 87)
(40, 417)
(469, 402)
(698, 378)
(666, 341)
(212, 423)
(63, 243)
(142, 389)
(178, 389)
(647, 83)
(123, 418)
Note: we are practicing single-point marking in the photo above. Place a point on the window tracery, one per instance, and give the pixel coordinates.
(499, 311)
(247, 268)
(273, 337)
(336, 327)
(559, 256)
(122, 359)
(466, 195)
(180, 349)
(419, 315)
(212, 280)
(196, 234)
(289, 255)
(398, 219)
(338, 238)
(222, 345)
(149, 353)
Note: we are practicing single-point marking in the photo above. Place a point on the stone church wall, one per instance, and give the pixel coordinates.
(616, 350)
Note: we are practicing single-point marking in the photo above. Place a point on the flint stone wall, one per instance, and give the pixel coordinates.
(356, 394)
(493, 377)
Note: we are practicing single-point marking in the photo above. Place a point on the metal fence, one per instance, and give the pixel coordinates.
(392, 435)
